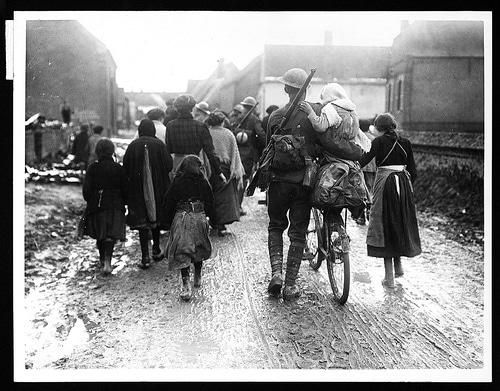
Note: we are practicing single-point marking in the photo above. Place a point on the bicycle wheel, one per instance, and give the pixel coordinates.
(314, 251)
(337, 260)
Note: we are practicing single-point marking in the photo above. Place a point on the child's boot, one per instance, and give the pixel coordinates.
(388, 280)
(197, 276)
(398, 268)
(186, 289)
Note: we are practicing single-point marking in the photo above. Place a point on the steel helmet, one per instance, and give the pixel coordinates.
(249, 101)
(294, 77)
(239, 108)
(203, 106)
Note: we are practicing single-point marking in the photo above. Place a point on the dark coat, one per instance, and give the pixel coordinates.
(161, 164)
(110, 177)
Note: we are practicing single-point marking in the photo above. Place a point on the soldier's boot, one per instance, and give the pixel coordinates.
(108, 255)
(398, 268)
(276, 257)
(292, 289)
(388, 280)
(186, 289)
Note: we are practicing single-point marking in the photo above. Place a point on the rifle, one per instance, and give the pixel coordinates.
(246, 116)
(265, 157)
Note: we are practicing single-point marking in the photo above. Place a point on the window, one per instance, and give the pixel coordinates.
(399, 101)
(389, 97)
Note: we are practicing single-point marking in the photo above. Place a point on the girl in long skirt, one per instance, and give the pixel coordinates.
(105, 189)
(393, 229)
(187, 203)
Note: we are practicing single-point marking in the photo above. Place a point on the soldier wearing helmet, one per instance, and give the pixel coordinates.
(288, 200)
(247, 137)
(201, 111)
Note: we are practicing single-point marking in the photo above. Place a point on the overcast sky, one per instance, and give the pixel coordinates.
(160, 51)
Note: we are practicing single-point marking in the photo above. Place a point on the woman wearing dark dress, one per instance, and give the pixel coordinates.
(393, 229)
(147, 164)
(105, 189)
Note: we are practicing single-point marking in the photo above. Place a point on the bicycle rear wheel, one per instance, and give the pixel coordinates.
(337, 261)
(315, 252)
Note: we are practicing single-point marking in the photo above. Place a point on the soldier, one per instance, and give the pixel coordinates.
(201, 112)
(247, 134)
(288, 200)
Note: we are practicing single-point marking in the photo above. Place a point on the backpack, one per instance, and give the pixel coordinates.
(287, 156)
(340, 184)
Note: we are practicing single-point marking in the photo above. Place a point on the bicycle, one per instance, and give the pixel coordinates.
(327, 239)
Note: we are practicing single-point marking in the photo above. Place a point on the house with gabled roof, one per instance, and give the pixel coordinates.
(361, 70)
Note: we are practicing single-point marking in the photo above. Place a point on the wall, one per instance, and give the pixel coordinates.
(368, 98)
(447, 94)
(66, 62)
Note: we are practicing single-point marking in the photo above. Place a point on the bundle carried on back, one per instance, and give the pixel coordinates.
(340, 184)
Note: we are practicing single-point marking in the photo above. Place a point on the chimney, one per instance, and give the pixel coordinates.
(220, 68)
(328, 38)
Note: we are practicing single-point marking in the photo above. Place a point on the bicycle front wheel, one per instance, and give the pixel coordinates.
(315, 252)
(337, 262)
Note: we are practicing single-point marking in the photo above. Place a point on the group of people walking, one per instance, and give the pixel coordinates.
(179, 170)
(174, 175)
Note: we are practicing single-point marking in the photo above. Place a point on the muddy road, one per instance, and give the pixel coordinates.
(133, 320)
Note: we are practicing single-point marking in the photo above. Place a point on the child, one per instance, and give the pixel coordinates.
(187, 203)
(105, 189)
(338, 113)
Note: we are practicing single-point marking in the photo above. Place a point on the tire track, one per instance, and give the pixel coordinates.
(249, 299)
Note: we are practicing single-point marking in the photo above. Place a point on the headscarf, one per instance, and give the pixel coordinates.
(192, 165)
(147, 128)
(104, 149)
(331, 92)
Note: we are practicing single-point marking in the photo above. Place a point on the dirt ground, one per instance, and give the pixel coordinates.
(133, 321)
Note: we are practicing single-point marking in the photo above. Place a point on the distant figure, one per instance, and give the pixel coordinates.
(66, 113)
(227, 208)
(157, 116)
(235, 115)
(393, 228)
(246, 137)
(170, 112)
(201, 111)
(92, 142)
(38, 128)
(147, 164)
(105, 189)
(80, 147)
(187, 204)
(265, 120)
